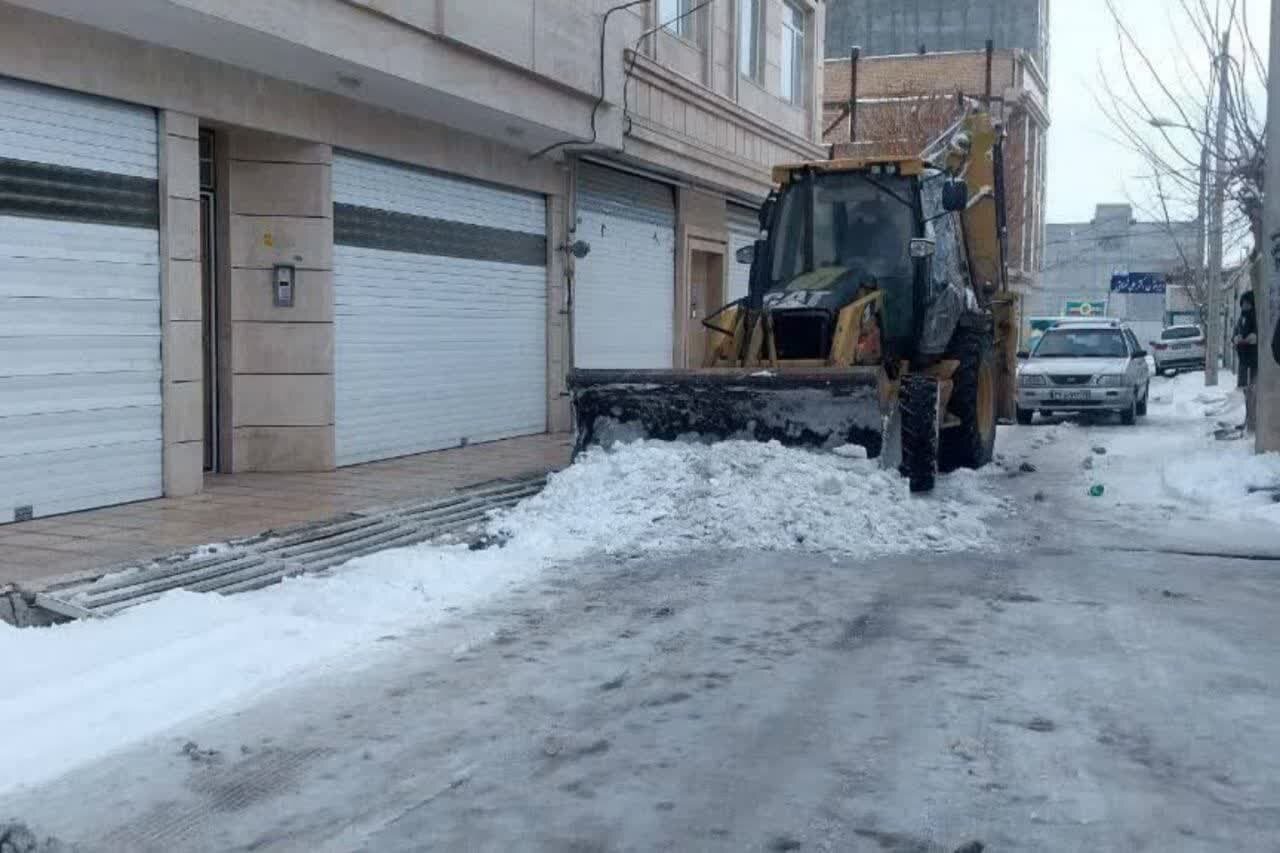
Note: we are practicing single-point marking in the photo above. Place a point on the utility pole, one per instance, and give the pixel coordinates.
(1213, 344)
(1267, 390)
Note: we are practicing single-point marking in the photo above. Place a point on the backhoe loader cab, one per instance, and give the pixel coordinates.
(877, 314)
(848, 230)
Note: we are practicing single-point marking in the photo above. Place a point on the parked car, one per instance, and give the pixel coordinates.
(1179, 348)
(1084, 367)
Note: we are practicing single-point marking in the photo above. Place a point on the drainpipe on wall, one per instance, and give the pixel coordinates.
(570, 263)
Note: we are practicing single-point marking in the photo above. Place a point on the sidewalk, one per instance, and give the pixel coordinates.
(237, 505)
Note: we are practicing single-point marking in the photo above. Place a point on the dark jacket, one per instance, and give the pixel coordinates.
(1246, 325)
(1275, 342)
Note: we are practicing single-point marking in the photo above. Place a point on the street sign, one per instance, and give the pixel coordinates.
(1138, 282)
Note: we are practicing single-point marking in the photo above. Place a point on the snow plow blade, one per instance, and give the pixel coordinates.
(818, 407)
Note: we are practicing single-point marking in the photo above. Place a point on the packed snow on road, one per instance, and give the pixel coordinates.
(82, 690)
(1185, 460)
(735, 646)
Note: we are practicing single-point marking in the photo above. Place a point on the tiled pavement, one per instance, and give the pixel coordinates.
(236, 505)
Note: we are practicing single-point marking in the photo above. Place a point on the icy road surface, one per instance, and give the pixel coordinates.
(1087, 673)
(80, 691)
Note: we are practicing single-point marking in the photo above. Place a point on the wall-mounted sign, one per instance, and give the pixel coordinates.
(1085, 308)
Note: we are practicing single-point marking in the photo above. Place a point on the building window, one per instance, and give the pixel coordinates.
(749, 58)
(792, 56)
(677, 17)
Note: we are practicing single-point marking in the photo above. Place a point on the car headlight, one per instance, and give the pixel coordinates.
(1032, 380)
(1109, 379)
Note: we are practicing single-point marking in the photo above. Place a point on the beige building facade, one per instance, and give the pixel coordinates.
(303, 234)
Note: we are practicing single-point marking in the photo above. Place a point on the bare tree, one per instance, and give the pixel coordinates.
(1165, 116)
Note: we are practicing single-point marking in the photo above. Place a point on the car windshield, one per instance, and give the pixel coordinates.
(1081, 343)
(860, 223)
(1177, 333)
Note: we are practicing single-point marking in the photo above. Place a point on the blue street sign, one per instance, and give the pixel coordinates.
(1137, 282)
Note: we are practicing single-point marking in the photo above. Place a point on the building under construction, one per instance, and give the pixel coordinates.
(890, 27)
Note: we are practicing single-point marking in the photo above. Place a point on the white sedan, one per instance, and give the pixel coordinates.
(1084, 367)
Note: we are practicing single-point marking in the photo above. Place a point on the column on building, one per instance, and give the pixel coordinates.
(279, 408)
(183, 391)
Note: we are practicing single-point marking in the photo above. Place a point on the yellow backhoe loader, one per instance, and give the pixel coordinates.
(878, 314)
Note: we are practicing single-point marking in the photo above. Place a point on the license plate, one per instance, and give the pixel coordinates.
(1182, 346)
(1068, 395)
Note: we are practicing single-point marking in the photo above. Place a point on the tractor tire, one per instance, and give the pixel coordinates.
(972, 442)
(918, 403)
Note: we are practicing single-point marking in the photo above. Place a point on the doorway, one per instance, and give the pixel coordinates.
(706, 296)
(208, 298)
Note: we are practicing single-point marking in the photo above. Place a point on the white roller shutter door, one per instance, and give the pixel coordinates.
(80, 374)
(744, 227)
(624, 293)
(440, 311)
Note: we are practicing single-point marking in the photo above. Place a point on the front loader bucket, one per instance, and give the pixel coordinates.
(817, 407)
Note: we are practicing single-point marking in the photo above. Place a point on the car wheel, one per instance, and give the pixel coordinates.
(1024, 416)
(1169, 372)
(1129, 416)
(1141, 409)
(1046, 413)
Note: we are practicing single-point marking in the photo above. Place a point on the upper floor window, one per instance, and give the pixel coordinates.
(792, 55)
(750, 60)
(677, 16)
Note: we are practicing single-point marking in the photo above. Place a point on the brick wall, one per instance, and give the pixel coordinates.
(930, 73)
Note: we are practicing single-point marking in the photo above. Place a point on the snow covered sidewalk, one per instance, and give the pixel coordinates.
(79, 691)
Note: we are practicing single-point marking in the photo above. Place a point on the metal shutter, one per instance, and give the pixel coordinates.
(80, 403)
(624, 294)
(440, 311)
(744, 227)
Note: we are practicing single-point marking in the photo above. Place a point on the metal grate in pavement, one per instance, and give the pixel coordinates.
(268, 558)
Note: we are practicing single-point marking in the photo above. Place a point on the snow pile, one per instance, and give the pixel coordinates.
(1185, 397)
(1231, 479)
(1225, 478)
(80, 691)
(660, 496)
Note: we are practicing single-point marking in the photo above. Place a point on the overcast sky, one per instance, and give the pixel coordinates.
(1086, 165)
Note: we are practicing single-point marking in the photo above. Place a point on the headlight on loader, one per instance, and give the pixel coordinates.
(1032, 380)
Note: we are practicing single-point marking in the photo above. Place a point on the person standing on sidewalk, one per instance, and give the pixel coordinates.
(1245, 339)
